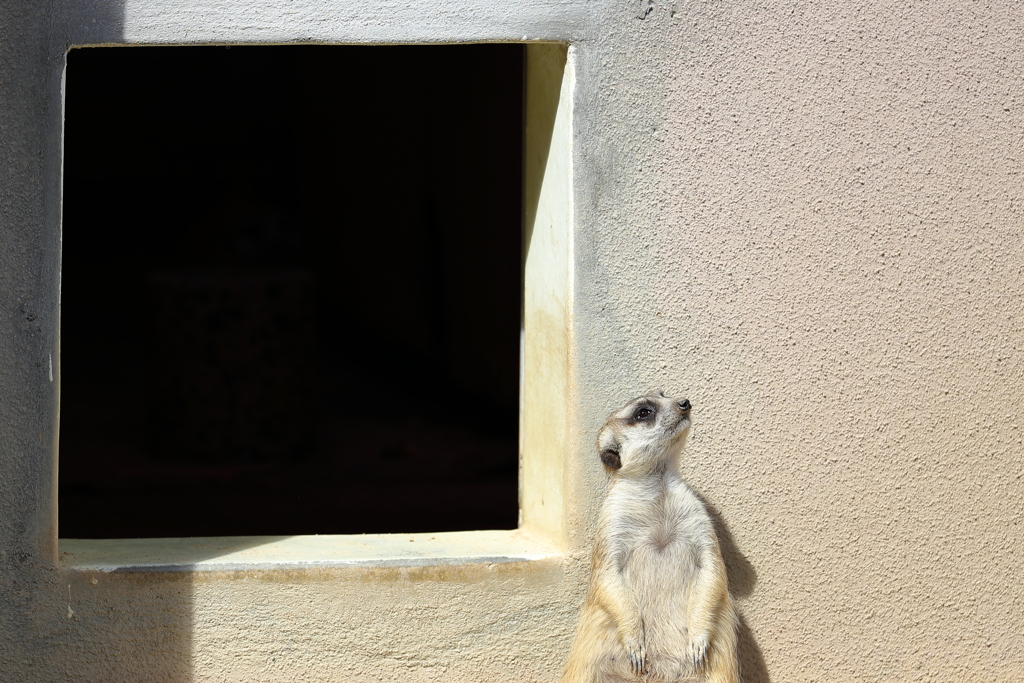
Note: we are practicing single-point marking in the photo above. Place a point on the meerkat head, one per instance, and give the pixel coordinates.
(644, 434)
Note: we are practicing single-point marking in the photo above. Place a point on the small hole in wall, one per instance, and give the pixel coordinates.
(290, 290)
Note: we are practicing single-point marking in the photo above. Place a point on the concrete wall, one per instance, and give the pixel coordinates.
(804, 217)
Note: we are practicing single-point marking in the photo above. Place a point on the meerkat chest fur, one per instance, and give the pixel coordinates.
(657, 532)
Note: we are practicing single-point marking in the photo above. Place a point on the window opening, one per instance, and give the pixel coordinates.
(291, 290)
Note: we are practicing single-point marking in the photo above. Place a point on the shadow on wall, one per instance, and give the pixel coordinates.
(122, 621)
(742, 579)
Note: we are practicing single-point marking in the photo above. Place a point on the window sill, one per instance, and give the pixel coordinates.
(246, 553)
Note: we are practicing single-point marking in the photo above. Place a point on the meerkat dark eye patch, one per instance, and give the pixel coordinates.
(643, 413)
(611, 458)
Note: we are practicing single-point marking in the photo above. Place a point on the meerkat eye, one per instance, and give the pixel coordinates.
(643, 414)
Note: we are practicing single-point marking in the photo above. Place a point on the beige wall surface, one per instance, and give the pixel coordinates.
(821, 242)
(805, 217)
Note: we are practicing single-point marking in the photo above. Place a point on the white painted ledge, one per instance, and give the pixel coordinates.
(243, 553)
(176, 22)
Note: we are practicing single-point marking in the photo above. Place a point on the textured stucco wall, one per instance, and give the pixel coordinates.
(814, 231)
(804, 217)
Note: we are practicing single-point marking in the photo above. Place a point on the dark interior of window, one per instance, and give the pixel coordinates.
(291, 283)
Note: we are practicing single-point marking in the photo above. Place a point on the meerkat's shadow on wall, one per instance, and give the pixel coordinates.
(742, 579)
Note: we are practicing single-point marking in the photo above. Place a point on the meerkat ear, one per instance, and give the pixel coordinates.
(611, 458)
(609, 448)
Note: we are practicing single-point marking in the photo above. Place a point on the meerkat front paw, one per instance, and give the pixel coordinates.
(636, 653)
(698, 650)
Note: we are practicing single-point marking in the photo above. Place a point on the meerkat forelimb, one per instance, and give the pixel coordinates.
(658, 608)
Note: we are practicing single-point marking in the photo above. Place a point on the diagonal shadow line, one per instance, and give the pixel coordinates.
(541, 98)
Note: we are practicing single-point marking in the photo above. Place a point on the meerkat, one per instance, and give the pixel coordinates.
(658, 607)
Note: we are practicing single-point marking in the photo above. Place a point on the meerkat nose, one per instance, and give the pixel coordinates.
(684, 404)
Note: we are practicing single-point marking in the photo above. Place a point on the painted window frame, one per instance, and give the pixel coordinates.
(546, 412)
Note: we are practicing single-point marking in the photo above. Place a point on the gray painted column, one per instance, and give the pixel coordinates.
(30, 145)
